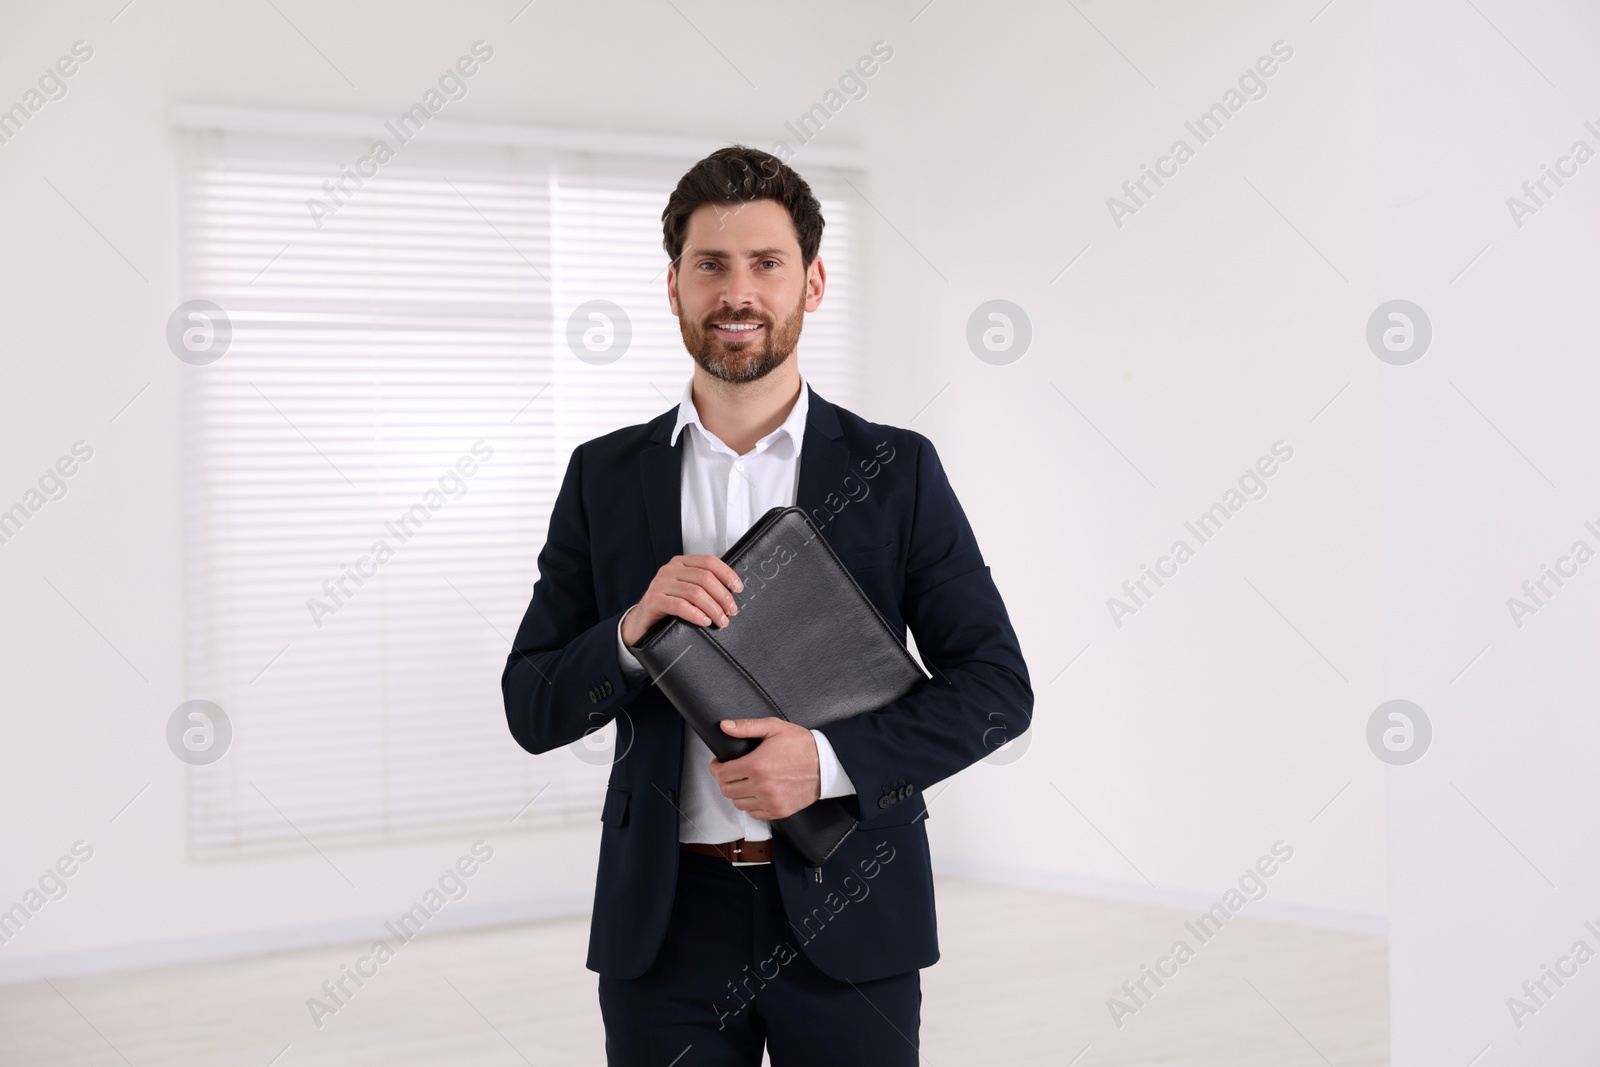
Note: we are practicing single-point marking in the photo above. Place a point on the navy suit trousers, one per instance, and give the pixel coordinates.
(732, 976)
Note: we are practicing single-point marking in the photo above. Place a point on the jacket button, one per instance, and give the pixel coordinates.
(906, 792)
(608, 689)
(884, 802)
(594, 697)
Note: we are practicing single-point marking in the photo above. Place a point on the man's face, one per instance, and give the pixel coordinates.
(739, 290)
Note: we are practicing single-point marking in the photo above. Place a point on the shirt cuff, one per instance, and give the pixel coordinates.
(631, 667)
(832, 779)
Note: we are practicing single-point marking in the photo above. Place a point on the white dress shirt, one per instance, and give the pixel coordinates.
(723, 494)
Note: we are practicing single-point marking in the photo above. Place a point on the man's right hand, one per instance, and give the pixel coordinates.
(694, 588)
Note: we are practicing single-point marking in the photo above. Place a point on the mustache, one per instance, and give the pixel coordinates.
(734, 317)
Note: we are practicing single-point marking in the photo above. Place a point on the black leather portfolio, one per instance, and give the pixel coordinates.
(806, 645)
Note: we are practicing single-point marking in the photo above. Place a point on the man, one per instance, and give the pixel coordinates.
(711, 937)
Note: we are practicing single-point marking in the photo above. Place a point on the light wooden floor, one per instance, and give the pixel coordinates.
(1023, 980)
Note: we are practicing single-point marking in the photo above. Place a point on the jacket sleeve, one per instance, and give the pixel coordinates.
(979, 694)
(562, 678)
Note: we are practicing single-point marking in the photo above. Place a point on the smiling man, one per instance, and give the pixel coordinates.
(712, 938)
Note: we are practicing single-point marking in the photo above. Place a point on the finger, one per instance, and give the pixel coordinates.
(689, 601)
(705, 599)
(709, 581)
(703, 561)
(762, 727)
(726, 574)
(729, 771)
(661, 599)
(671, 604)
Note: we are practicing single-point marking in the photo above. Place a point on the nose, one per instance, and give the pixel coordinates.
(739, 293)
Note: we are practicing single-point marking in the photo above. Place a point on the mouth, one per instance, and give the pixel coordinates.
(737, 331)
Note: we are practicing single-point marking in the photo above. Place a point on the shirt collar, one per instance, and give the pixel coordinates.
(794, 426)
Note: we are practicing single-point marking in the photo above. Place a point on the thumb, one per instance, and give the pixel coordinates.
(750, 727)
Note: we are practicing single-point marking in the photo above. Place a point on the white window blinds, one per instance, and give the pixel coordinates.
(370, 467)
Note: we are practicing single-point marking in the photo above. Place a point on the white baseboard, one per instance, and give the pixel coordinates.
(257, 942)
(1176, 898)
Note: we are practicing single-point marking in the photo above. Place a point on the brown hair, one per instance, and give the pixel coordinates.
(739, 174)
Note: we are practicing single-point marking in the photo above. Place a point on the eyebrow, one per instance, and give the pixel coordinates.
(760, 253)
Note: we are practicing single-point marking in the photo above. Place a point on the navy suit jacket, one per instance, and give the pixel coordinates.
(881, 498)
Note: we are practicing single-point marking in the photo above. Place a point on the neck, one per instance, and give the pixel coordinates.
(742, 413)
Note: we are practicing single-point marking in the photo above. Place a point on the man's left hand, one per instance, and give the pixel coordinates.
(777, 779)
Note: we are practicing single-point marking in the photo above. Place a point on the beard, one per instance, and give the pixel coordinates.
(743, 361)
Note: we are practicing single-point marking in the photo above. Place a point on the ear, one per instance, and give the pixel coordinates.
(672, 290)
(816, 280)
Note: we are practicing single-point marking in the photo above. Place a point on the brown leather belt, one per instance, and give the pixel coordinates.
(740, 851)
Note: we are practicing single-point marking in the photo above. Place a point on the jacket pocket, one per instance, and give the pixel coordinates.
(615, 809)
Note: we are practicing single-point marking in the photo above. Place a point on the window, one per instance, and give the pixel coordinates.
(371, 464)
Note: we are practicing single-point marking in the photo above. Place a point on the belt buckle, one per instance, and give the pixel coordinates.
(733, 846)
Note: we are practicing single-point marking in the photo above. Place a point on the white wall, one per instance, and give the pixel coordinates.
(1203, 330)
(1489, 474)
(1192, 337)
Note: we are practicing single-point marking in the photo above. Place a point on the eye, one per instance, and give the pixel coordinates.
(774, 262)
(703, 262)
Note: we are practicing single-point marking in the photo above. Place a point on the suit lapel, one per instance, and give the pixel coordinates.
(661, 471)
(824, 459)
(661, 467)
